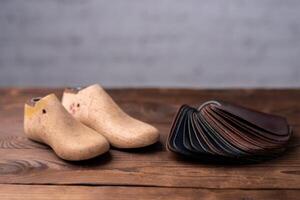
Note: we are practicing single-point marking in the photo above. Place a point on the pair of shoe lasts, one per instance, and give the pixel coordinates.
(84, 124)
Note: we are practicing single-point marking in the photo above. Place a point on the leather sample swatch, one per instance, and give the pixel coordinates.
(220, 130)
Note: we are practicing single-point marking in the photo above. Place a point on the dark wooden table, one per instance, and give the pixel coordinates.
(29, 170)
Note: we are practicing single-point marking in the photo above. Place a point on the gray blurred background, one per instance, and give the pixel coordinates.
(149, 43)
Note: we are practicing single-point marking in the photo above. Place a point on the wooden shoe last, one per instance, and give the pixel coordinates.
(47, 121)
(95, 108)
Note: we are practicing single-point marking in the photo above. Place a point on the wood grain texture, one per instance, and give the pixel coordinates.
(8, 192)
(152, 169)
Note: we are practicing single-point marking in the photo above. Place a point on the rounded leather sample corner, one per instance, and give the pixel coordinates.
(47, 121)
(95, 108)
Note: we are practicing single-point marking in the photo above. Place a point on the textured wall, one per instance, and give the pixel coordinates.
(199, 43)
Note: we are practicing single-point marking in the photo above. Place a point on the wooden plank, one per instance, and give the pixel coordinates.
(38, 171)
(32, 192)
(151, 168)
(26, 162)
(159, 105)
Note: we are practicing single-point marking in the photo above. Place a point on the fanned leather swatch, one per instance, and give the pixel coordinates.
(220, 130)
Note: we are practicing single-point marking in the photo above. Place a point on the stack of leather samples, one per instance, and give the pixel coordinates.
(223, 131)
